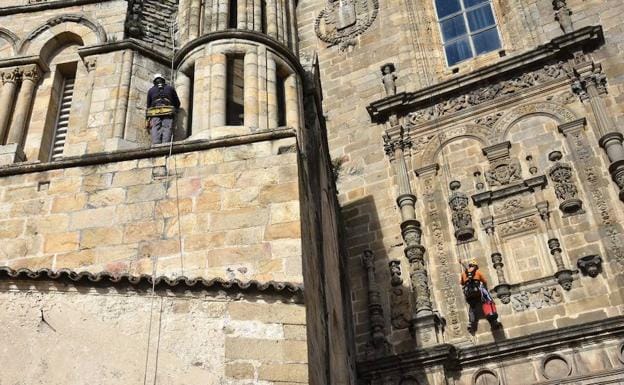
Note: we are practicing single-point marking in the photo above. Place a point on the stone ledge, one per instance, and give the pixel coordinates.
(36, 7)
(558, 48)
(142, 153)
(148, 50)
(452, 357)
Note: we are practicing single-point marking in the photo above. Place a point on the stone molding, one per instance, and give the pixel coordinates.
(400, 104)
(142, 153)
(530, 184)
(44, 6)
(131, 44)
(452, 357)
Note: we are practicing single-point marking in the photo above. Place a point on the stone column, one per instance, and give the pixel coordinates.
(424, 323)
(241, 14)
(271, 17)
(7, 97)
(255, 22)
(262, 88)
(590, 84)
(17, 132)
(292, 101)
(123, 93)
(223, 6)
(215, 15)
(194, 19)
(183, 88)
(378, 345)
(292, 32)
(207, 18)
(563, 274)
(271, 84)
(218, 89)
(251, 88)
(503, 289)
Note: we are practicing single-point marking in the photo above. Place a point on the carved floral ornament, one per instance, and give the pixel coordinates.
(343, 20)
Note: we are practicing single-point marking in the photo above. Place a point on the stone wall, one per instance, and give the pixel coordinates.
(369, 182)
(126, 334)
(231, 211)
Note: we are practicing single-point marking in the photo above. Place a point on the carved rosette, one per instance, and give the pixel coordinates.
(378, 345)
(462, 219)
(343, 20)
(565, 188)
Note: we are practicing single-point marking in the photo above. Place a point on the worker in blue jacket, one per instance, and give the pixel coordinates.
(162, 104)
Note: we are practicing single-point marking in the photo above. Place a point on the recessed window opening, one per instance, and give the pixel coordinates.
(281, 97)
(263, 16)
(235, 90)
(61, 101)
(468, 28)
(233, 15)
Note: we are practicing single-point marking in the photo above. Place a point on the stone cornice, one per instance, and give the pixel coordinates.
(557, 49)
(24, 60)
(531, 184)
(451, 357)
(142, 153)
(44, 6)
(241, 35)
(132, 44)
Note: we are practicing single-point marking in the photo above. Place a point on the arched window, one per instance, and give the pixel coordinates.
(468, 28)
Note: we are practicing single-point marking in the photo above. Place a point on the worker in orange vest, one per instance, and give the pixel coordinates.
(474, 286)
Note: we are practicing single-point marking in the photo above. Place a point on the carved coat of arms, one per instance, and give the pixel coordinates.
(343, 20)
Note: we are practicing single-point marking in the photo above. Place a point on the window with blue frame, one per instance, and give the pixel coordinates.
(468, 28)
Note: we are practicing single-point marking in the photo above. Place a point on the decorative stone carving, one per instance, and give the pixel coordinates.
(90, 63)
(588, 75)
(388, 78)
(399, 301)
(462, 219)
(489, 120)
(536, 298)
(532, 167)
(585, 158)
(343, 20)
(31, 72)
(134, 27)
(479, 185)
(440, 254)
(378, 345)
(518, 226)
(503, 170)
(565, 188)
(590, 265)
(481, 95)
(563, 15)
(563, 275)
(10, 76)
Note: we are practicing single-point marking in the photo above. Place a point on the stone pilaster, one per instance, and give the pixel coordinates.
(378, 345)
(503, 289)
(563, 274)
(590, 83)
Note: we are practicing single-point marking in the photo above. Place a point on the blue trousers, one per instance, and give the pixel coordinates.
(161, 129)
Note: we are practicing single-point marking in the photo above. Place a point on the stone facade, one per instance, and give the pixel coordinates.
(357, 170)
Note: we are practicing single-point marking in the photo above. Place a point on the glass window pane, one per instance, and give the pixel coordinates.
(453, 27)
(486, 41)
(458, 51)
(446, 7)
(480, 18)
(470, 3)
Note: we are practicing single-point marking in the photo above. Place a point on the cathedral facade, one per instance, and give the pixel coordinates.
(335, 167)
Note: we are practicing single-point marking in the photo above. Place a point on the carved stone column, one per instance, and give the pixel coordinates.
(291, 93)
(563, 274)
(378, 345)
(503, 289)
(590, 84)
(251, 88)
(7, 97)
(424, 323)
(17, 132)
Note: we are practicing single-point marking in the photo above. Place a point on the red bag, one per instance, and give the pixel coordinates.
(489, 310)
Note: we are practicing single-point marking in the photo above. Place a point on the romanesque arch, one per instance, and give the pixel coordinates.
(10, 49)
(88, 31)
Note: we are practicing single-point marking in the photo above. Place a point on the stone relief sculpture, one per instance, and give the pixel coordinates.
(503, 170)
(563, 15)
(590, 265)
(481, 95)
(378, 344)
(565, 188)
(461, 217)
(536, 298)
(134, 27)
(388, 78)
(399, 301)
(343, 20)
